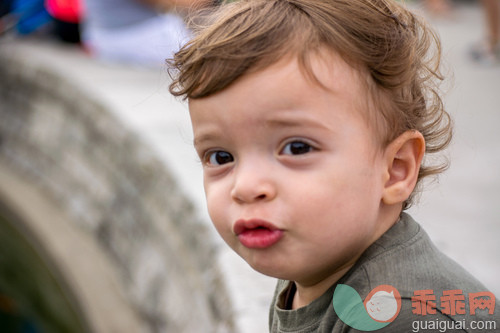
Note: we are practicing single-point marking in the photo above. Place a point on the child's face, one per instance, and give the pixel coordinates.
(292, 173)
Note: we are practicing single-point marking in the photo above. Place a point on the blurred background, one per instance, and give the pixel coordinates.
(103, 225)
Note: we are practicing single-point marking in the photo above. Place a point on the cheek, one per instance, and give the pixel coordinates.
(364, 181)
(213, 204)
(341, 204)
(346, 189)
(217, 204)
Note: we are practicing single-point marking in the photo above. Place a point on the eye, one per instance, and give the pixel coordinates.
(218, 157)
(296, 148)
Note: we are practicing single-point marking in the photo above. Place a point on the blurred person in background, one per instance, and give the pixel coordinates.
(143, 32)
(66, 16)
(488, 51)
(59, 18)
(23, 17)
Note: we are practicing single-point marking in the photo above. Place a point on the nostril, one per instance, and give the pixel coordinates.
(261, 197)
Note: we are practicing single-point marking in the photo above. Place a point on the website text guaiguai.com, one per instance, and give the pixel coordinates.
(451, 326)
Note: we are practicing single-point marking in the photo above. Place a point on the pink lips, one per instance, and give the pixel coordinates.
(257, 234)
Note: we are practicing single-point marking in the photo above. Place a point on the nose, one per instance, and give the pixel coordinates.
(253, 183)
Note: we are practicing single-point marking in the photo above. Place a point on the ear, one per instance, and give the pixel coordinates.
(403, 157)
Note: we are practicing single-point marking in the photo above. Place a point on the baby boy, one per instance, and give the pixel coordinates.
(312, 119)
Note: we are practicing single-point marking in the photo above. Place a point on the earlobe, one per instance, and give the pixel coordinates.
(404, 156)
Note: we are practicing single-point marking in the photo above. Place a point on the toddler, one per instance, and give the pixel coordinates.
(312, 119)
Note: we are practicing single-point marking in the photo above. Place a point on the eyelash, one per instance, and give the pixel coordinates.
(308, 148)
(208, 156)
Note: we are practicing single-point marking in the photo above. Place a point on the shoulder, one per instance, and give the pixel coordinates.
(434, 289)
(406, 256)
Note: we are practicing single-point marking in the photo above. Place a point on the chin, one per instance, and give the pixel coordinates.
(265, 265)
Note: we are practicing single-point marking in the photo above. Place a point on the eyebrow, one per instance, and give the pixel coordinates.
(283, 122)
(295, 122)
(203, 137)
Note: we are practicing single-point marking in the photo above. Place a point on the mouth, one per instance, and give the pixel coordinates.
(257, 234)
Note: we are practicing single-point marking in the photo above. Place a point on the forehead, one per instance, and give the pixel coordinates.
(291, 83)
(283, 96)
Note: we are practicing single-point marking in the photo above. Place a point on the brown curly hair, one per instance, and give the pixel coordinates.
(397, 50)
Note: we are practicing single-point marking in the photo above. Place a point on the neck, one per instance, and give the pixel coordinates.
(305, 293)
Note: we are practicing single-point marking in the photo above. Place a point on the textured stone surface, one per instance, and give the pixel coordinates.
(111, 184)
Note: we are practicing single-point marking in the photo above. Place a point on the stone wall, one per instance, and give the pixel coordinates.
(66, 144)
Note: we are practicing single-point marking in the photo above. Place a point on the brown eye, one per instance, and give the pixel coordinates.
(219, 157)
(296, 148)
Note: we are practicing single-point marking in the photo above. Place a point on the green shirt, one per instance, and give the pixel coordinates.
(405, 258)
